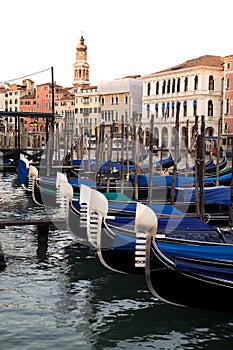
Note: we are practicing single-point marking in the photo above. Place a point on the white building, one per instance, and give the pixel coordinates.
(197, 85)
(121, 99)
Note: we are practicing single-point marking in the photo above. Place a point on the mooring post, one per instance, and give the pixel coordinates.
(43, 233)
(2, 259)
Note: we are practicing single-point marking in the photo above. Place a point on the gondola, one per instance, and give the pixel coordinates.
(216, 202)
(162, 183)
(120, 241)
(191, 273)
(213, 167)
(121, 245)
(180, 271)
(208, 163)
(167, 162)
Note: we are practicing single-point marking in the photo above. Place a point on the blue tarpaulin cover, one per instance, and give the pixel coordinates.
(215, 194)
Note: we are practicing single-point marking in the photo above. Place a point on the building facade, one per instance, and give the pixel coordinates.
(196, 86)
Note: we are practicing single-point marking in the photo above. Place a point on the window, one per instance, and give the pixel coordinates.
(148, 89)
(227, 106)
(163, 110)
(211, 82)
(228, 83)
(186, 84)
(168, 86)
(102, 100)
(157, 88)
(195, 82)
(173, 85)
(168, 110)
(126, 100)
(185, 108)
(210, 108)
(178, 85)
(228, 65)
(195, 107)
(173, 109)
(156, 110)
(117, 100)
(164, 87)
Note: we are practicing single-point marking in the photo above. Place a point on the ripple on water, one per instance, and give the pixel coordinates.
(65, 299)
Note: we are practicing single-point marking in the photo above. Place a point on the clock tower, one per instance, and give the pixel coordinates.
(81, 66)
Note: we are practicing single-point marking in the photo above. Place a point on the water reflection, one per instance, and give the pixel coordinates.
(66, 299)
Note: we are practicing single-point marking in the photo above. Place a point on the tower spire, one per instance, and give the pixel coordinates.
(81, 66)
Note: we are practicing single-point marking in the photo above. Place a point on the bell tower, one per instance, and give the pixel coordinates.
(81, 66)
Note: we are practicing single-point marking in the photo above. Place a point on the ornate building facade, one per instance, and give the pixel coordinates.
(197, 85)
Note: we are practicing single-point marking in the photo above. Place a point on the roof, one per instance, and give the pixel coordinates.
(202, 61)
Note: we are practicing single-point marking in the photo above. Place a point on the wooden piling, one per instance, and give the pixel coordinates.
(151, 159)
(43, 232)
(177, 127)
(196, 177)
(110, 143)
(135, 161)
(122, 153)
(231, 195)
(2, 259)
(201, 166)
(218, 152)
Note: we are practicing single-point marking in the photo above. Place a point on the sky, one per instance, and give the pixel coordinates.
(123, 37)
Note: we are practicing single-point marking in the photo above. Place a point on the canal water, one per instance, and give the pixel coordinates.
(65, 299)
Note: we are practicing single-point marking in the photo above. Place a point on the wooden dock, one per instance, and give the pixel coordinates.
(42, 233)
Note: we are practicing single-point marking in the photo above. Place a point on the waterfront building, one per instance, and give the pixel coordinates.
(196, 86)
(112, 101)
(227, 130)
(228, 95)
(87, 110)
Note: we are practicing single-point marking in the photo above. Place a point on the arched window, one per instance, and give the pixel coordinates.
(185, 108)
(163, 109)
(148, 89)
(211, 82)
(186, 84)
(168, 110)
(148, 110)
(168, 86)
(195, 107)
(173, 109)
(157, 88)
(210, 108)
(164, 87)
(196, 82)
(173, 85)
(156, 110)
(227, 106)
